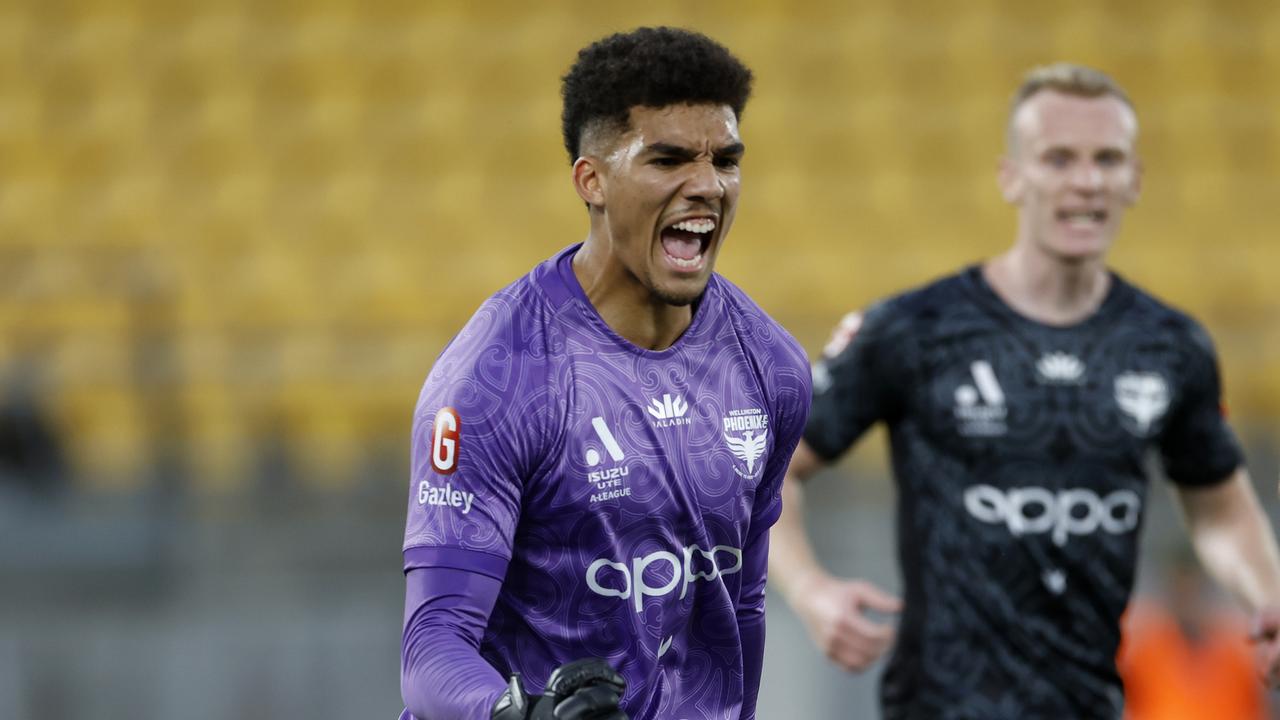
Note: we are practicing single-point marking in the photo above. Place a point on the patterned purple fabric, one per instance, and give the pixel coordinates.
(617, 491)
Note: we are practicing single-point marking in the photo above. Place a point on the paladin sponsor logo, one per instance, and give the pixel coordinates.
(1059, 368)
(611, 578)
(1037, 510)
(611, 482)
(1144, 398)
(751, 444)
(980, 407)
(445, 496)
(668, 411)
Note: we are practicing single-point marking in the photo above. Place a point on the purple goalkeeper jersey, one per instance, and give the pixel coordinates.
(612, 489)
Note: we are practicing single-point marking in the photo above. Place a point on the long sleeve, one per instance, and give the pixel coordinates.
(755, 564)
(442, 675)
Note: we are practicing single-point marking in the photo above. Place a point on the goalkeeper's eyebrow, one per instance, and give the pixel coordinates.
(732, 151)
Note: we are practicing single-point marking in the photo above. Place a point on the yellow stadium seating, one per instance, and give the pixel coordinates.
(295, 206)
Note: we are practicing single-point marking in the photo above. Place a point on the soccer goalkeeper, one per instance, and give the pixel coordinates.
(598, 454)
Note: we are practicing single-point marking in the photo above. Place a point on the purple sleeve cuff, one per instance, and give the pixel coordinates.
(752, 634)
(475, 561)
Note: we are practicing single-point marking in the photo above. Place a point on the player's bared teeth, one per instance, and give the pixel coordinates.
(699, 225)
(1082, 216)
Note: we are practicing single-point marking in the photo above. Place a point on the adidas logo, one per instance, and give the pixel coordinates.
(1060, 368)
(669, 411)
(980, 407)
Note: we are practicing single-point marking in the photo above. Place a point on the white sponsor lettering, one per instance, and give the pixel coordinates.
(1035, 510)
(600, 476)
(636, 586)
(445, 496)
(613, 494)
(740, 423)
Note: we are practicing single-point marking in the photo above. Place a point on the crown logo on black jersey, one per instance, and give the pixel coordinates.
(1060, 368)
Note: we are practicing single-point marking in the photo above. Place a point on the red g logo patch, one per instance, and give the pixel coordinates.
(444, 441)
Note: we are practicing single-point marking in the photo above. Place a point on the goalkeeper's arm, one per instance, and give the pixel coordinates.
(443, 677)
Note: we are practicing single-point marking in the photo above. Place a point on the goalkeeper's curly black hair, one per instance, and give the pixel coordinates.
(648, 67)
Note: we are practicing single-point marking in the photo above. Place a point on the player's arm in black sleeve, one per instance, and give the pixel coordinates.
(858, 381)
(1228, 528)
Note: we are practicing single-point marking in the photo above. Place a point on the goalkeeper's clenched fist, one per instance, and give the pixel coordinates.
(581, 690)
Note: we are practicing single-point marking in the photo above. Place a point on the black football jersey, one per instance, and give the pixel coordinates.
(1019, 455)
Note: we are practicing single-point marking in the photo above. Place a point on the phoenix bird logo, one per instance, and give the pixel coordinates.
(1143, 396)
(748, 448)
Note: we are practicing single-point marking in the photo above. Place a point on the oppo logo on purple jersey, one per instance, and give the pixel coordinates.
(631, 581)
(1035, 510)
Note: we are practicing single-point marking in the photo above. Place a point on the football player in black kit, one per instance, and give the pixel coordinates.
(1022, 396)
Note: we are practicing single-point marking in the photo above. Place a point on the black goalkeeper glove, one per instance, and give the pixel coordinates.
(580, 690)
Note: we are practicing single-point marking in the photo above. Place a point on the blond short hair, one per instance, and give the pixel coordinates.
(1066, 78)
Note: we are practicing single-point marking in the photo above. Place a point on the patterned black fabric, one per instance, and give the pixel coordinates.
(1018, 450)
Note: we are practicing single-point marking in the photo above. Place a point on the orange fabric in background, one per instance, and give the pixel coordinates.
(1168, 678)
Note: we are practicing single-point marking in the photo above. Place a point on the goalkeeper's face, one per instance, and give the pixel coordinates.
(1072, 171)
(667, 189)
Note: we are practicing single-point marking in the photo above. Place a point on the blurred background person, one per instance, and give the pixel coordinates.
(243, 230)
(1023, 396)
(31, 454)
(1186, 653)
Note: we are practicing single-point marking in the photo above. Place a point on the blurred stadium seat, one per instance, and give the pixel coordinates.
(297, 204)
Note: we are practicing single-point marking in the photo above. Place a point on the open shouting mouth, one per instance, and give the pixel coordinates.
(685, 243)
